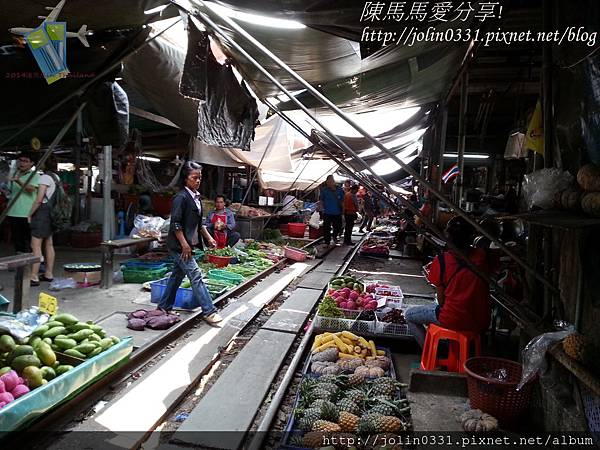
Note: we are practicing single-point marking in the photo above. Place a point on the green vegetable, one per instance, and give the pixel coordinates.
(328, 308)
(227, 251)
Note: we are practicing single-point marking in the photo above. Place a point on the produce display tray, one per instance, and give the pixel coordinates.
(390, 329)
(290, 431)
(24, 410)
(350, 322)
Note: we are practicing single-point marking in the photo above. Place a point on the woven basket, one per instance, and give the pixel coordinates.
(497, 398)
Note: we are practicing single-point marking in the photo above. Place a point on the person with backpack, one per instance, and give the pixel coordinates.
(462, 296)
(40, 222)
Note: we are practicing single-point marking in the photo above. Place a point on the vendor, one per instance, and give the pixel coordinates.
(221, 223)
(463, 297)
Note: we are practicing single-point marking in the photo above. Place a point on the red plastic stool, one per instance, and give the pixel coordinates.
(458, 352)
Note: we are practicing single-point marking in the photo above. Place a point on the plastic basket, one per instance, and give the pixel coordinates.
(219, 261)
(183, 299)
(295, 255)
(134, 275)
(497, 398)
(139, 264)
(348, 323)
(216, 274)
(296, 229)
(390, 329)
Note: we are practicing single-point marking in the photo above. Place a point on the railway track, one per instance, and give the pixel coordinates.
(144, 357)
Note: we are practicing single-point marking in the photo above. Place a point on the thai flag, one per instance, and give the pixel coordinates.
(451, 173)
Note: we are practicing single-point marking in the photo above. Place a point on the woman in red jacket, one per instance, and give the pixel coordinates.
(463, 297)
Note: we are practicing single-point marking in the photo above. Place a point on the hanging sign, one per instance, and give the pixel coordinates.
(44, 49)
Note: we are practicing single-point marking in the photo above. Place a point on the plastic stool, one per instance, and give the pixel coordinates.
(458, 351)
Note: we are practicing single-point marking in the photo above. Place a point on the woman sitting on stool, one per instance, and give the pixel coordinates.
(463, 297)
(220, 223)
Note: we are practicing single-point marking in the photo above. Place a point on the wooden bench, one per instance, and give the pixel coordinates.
(22, 265)
(108, 254)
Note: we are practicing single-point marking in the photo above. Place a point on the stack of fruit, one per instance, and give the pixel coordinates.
(65, 333)
(349, 406)
(345, 352)
(349, 294)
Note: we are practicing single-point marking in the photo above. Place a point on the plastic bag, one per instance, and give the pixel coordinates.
(315, 220)
(541, 186)
(147, 226)
(59, 284)
(534, 353)
(23, 324)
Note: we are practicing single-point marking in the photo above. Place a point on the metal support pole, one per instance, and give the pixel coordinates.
(43, 159)
(107, 223)
(79, 144)
(462, 132)
(442, 150)
(217, 29)
(509, 304)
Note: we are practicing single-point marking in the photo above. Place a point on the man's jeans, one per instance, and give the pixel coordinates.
(191, 269)
(418, 316)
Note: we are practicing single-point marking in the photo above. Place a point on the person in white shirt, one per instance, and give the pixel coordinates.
(41, 222)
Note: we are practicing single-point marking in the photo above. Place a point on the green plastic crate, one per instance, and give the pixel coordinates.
(133, 275)
(218, 274)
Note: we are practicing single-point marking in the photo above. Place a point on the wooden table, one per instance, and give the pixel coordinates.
(108, 253)
(22, 266)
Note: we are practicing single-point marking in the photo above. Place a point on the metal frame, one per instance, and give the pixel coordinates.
(217, 29)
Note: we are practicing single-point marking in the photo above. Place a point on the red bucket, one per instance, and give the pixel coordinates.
(315, 233)
(296, 230)
(219, 261)
(283, 228)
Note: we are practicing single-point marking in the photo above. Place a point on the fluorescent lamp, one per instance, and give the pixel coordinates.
(155, 10)
(255, 19)
(467, 155)
(149, 158)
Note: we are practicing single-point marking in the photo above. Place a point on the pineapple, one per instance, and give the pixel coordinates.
(367, 424)
(348, 422)
(574, 345)
(313, 439)
(309, 417)
(348, 405)
(355, 380)
(322, 394)
(326, 426)
(388, 424)
(582, 350)
(329, 387)
(329, 412)
(382, 408)
(333, 379)
(356, 395)
(383, 386)
(378, 423)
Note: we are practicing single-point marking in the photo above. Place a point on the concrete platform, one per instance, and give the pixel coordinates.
(293, 313)
(316, 280)
(229, 407)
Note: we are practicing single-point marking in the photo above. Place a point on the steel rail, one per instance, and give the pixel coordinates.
(142, 355)
(216, 28)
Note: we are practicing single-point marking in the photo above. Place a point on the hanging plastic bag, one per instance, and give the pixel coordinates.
(315, 220)
(541, 186)
(147, 227)
(534, 353)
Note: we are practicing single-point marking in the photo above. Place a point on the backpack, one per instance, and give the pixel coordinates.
(61, 206)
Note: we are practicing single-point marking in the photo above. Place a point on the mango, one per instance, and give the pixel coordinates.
(67, 319)
(54, 323)
(63, 368)
(23, 361)
(39, 331)
(33, 375)
(74, 353)
(65, 344)
(53, 332)
(48, 373)
(7, 343)
(45, 353)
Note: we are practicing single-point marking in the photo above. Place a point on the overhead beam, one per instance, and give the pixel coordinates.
(151, 116)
